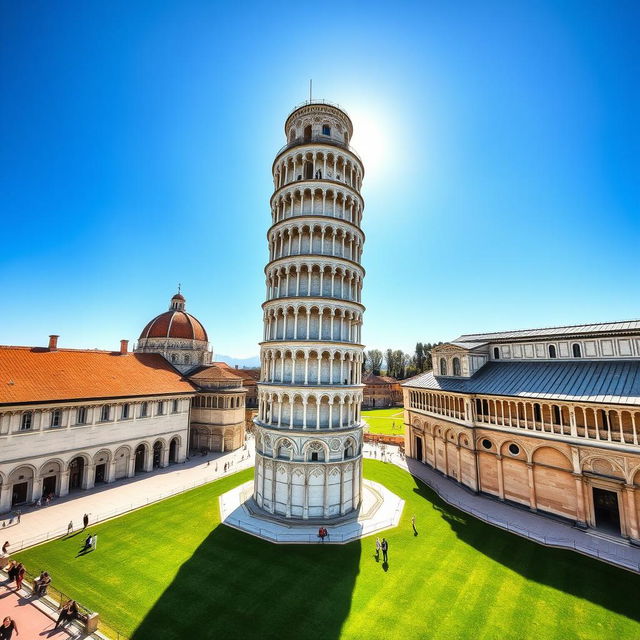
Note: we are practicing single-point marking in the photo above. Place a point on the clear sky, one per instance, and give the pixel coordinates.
(501, 142)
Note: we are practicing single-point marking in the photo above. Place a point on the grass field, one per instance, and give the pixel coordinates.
(171, 571)
(386, 421)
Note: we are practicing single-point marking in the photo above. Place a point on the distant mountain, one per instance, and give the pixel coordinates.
(253, 361)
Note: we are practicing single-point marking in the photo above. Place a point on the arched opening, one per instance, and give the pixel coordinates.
(308, 170)
(577, 351)
(419, 454)
(552, 351)
(157, 454)
(307, 132)
(496, 353)
(76, 473)
(456, 367)
(173, 451)
(140, 458)
(443, 367)
(326, 130)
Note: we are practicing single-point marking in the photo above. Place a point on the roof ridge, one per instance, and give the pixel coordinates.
(562, 326)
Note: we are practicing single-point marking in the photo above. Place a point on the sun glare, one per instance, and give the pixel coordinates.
(370, 139)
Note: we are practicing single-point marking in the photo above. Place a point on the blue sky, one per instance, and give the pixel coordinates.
(501, 142)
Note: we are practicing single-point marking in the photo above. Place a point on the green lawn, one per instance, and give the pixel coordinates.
(386, 421)
(170, 571)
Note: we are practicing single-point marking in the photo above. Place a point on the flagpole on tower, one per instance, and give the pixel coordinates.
(310, 89)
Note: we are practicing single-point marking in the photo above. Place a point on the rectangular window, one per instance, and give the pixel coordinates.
(27, 420)
(124, 414)
(175, 406)
(81, 415)
(160, 408)
(55, 418)
(105, 413)
(144, 407)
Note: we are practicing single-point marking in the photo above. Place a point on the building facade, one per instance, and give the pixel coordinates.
(71, 419)
(308, 427)
(548, 419)
(381, 391)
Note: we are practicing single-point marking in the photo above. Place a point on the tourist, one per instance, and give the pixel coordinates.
(70, 527)
(88, 543)
(413, 524)
(385, 549)
(321, 534)
(41, 583)
(7, 628)
(12, 570)
(19, 576)
(68, 613)
(378, 546)
(5, 548)
(85, 520)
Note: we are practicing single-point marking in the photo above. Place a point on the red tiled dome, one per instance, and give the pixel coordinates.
(175, 324)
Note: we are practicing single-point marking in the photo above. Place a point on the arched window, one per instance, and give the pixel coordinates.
(552, 351)
(326, 130)
(308, 170)
(292, 135)
(496, 353)
(307, 131)
(443, 367)
(577, 352)
(456, 367)
(537, 413)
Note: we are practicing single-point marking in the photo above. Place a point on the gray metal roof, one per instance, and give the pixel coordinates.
(615, 381)
(629, 326)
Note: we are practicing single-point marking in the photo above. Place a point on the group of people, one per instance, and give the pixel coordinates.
(44, 500)
(85, 524)
(16, 572)
(322, 533)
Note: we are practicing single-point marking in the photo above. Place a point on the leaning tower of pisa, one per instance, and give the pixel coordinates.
(308, 427)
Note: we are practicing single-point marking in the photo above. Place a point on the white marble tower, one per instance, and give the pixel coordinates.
(308, 428)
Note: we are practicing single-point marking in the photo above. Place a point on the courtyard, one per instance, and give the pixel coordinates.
(171, 570)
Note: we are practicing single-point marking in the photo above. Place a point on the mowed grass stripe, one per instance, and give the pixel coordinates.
(172, 571)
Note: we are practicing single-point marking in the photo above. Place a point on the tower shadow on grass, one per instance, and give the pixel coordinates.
(239, 586)
(610, 587)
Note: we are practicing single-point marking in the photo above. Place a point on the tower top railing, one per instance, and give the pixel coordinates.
(316, 101)
(319, 139)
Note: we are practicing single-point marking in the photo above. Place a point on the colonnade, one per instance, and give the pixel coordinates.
(287, 322)
(316, 201)
(298, 366)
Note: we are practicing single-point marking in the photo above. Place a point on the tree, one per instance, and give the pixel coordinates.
(420, 357)
(375, 358)
(388, 356)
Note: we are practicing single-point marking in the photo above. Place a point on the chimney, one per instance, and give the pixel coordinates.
(53, 342)
(124, 346)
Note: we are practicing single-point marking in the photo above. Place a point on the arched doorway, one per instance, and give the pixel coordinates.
(173, 451)
(140, 458)
(76, 473)
(157, 454)
(419, 449)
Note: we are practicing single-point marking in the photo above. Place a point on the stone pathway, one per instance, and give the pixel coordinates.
(38, 524)
(536, 527)
(30, 616)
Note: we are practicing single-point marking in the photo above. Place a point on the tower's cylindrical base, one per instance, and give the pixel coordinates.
(312, 487)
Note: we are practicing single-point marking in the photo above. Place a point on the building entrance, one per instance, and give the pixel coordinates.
(101, 470)
(49, 486)
(76, 473)
(20, 491)
(419, 449)
(605, 505)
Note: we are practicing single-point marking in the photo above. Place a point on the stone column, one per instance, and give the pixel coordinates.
(532, 487)
(581, 518)
(500, 477)
(632, 517)
(5, 497)
(64, 483)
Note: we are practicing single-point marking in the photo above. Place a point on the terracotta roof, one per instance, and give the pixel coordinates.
(34, 374)
(373, 379)
(213, 372)
(175, 324)
(249, 376)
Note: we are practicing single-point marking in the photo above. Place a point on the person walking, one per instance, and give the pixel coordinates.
(70, 527)
(413, 524)
(7, 628)
(385, 550)
(378, 546)
(5, 548)
(85, 521)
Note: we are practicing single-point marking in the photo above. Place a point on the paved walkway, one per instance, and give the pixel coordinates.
(38, 524)
(536, 527)
(29, 616)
